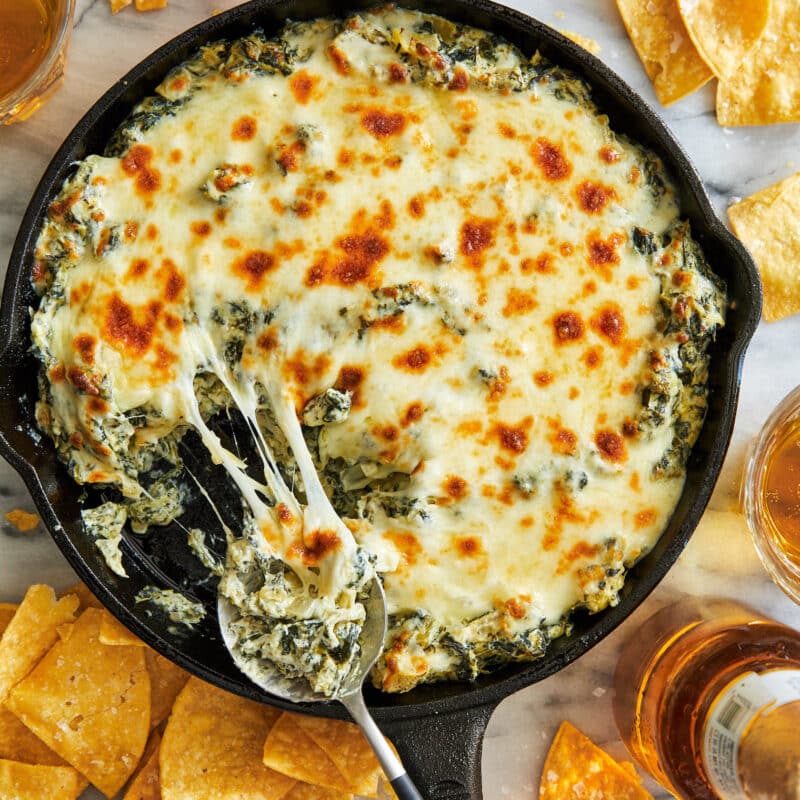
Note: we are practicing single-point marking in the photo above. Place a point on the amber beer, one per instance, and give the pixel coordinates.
(707, 699)
(33, 41)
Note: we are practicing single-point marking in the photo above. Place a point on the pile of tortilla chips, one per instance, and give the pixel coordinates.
(576, 769)
(83, 700)
(751, 46)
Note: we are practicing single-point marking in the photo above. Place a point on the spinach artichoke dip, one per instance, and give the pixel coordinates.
(458, 318)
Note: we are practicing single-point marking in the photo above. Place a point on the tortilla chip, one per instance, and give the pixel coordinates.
(150, 5)
(291, 751)
(17, 743)
(724, 33)
(31, 633)
(23, 521)
(36, 782)
(212, 746)
(114, 633)
(118, 5)
(577, 768)
(90, 703)
(166, 681)
(765, 87)
(85, 595)
(347, 747)
(306, 791)
(145, 784)
(766, 222)
(587, 44)
(670, 59)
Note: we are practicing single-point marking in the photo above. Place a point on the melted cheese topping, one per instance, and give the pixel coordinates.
(459, 260)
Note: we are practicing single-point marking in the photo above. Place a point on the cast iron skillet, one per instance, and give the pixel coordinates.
(438, 729)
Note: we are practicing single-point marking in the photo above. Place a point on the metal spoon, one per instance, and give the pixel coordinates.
(350, 695)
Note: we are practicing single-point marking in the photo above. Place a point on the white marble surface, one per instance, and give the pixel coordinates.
(732, 162)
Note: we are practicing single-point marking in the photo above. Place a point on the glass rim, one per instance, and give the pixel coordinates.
(783, 571)
(54, 51)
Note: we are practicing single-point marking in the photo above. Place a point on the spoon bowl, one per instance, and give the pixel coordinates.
(350, 695)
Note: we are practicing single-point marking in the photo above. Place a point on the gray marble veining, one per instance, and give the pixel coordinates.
(733, 163)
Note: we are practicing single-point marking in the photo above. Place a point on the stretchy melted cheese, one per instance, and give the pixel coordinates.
(477, 299)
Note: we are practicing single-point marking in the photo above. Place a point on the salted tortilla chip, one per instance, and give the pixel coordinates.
(118, 5)
(113, 633)
(211, 749)
(288, 749)
(348, 749)
(669, 57)
(166, 681)
(724, 33)
(765, 86)
(145, 784)
(36, 782)
(587, 44)
(85, 595)
(766, 222)
(31, 633)
(90, 703)
(17, 743)
(150, 5)
(576, 768)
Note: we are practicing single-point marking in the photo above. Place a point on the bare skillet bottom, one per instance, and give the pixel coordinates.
(438, 729)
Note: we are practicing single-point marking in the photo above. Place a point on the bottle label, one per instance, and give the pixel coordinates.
(732, 713)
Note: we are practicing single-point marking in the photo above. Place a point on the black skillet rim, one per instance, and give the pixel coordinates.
(439, 698)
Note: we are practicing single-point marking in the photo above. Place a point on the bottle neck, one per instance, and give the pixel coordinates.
(751, 741)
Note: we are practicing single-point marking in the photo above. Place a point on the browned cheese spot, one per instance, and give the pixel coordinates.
(477, 236)
(459, 82)
(253, 266)
(134, 331)
(136, 164)
(349, 380)
(455, 487)
(415, 360)
(302, 84)
(609, 322)
(316, 545)
(611, 446)
(201, 228)
(519, 302)
(397, 73)
(567, 327)
(594, 197)
(382, 124)
(608, 154)
(244, 129)
(469, 546)
(412, 414)
(603, 253)
(84, 344)
(550, 159)
(514, 438)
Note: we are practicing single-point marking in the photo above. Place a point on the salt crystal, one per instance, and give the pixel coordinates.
(599, 691)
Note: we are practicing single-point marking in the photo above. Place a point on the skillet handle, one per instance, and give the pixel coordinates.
(442, 752)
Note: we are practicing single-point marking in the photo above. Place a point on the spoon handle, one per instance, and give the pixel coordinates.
(392, 766)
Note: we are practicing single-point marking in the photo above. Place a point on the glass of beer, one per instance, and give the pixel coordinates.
(34, 35)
